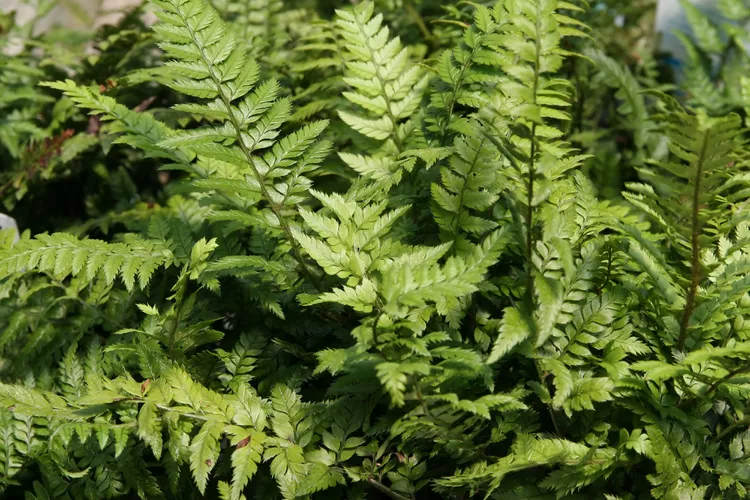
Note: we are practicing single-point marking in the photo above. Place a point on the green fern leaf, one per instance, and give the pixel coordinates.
(149, 428)
(513, 330)
(704, 30)
(204, 451)
(245, 459)
(62, 255)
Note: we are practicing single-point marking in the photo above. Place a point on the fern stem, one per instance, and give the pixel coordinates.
(423, 403)
(385, 489)
(375, 328)
(274, 207)
(554, 420)
(608, 274)
(532, 166)
(542, 377)
(419, 21)
(451, 104)
(725, 378)
(178, 315)
(187, 415)
(530, 215)
(695, 247)
(296, 253)
(730, 428)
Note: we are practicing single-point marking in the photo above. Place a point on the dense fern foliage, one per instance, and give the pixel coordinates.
(381, 249)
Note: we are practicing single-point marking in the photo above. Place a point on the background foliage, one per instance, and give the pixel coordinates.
(394, 249)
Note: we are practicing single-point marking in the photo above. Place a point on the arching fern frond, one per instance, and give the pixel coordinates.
(63, 255)
(211, 63)
(137, 129)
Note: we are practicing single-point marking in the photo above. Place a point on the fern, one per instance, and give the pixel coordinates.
(384, 92)
(470, 185)
(529, 99)
(63, 255)
(463, 71)
(345, 251)
(691, 200)
(322, 62)
(257, 20)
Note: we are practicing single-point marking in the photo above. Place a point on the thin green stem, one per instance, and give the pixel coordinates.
(375, 328)
(608, 274)
(179, 296)
(423, 403)
(385, 489)
(730, 429)
(418, 20)
(530, 215)
(727, 377)
(532, 166)
(695, 271)
(182, 414)
(451, 104)
(542, 378)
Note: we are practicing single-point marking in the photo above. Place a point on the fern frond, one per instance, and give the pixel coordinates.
(688, 201)
(63, 255)
(257, 21)
(385, 92)
(705, 32)
(463, 72)
(204, 451)
(470, 186)
(405, 285)
(138, 129)
(323, 62)
(210, 63)
(629, 92)
(377, 72)
(522, 113)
